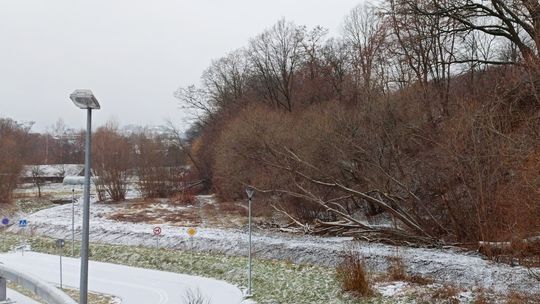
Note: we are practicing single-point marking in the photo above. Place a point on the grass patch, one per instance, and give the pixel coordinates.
(274, 281)
(93, 298)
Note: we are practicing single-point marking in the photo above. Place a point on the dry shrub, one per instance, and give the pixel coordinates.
(184, 197)
(467, 176)
(262, 208)
(420, 280)
(396, 269)
(352, 274)
(481, 299)
(521, 298)
(232, 208)
(447, 293)
(397, 272)
(254, 135)
(525, 252)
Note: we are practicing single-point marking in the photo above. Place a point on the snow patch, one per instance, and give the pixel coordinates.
(465, 269)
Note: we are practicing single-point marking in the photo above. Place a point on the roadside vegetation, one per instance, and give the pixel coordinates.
(284, 282)
(294, 284)
(274, 281)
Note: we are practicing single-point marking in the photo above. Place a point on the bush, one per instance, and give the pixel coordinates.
(352, 274)
(396, 269)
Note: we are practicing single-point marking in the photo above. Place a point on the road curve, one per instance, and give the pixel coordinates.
(132, 285)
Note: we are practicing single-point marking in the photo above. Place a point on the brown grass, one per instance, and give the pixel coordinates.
(396, 269)
(187, 197)
(447, 293)
(520, 298)
(397, 272)
(353, 275)
(481, 299)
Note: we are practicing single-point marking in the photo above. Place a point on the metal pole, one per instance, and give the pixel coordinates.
(192, 252)
(249, 255)
(83, 287)
(73, 222)
(61, 252)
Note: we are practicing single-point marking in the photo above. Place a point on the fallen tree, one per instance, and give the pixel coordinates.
(308, 183)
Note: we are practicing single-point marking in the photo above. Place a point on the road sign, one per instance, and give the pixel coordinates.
(23, 223)
(5, 221)
(157, 231)
(192, 231)
(60, 243)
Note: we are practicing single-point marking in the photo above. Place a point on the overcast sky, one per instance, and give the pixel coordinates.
(133, 54)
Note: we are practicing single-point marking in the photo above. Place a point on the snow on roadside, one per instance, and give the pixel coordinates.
(464, 269)
(392, 289)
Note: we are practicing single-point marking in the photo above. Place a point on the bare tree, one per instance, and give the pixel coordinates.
(225, 79)
(336, 59)
(37, 178)
(314, 85)
(365, 34)
(111, 161)
(157, 177)
(515, 21)
(13, 139)
(428, 46)
(275, 56)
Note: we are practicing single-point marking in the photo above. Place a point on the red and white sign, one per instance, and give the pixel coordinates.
(157, 231)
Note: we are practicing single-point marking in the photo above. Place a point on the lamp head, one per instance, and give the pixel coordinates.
(84, 99)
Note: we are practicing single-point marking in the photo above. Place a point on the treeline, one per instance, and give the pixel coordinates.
(420, 123)
(153, 159)
(14, 142)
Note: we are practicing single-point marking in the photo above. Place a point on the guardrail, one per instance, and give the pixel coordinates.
(46, 291)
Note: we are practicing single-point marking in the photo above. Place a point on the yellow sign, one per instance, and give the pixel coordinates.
(191, 231)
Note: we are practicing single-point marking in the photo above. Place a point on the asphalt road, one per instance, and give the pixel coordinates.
(132, 285)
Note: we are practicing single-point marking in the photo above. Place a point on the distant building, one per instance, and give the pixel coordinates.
(50, 173)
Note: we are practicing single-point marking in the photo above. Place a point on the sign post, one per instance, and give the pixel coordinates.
(5, 222)
(191, 232)
(60, 244)
(157, 232)
(23, 223)
(249, 191)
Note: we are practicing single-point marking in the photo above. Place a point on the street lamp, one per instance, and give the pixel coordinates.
(249, 191)
(85, 99)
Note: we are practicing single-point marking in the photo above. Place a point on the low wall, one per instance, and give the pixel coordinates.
(49, 293)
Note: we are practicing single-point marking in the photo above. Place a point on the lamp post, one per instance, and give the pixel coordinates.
(249, 191)
(85, 99)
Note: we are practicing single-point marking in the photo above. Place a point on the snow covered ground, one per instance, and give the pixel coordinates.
(132, 285)
(465, 269)
(18, 298)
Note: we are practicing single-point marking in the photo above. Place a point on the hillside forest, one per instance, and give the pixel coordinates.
(420, 123)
